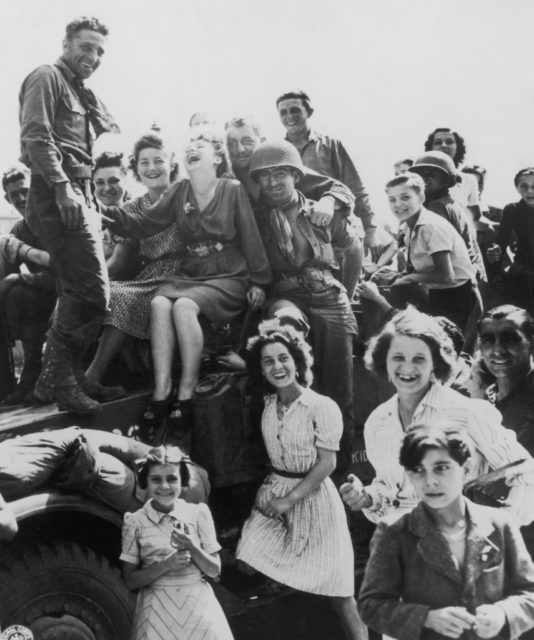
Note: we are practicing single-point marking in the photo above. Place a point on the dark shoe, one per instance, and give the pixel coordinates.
(157, 411)
(100, 392)
(181, 414)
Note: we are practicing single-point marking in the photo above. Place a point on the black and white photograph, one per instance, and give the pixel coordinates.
(267, 320)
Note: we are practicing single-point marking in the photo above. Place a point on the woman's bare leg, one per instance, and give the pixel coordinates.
(347, 611)
(163, 343)
(190, 341)
(109, 345)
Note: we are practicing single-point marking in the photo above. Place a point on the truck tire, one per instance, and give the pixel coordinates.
(63, 591)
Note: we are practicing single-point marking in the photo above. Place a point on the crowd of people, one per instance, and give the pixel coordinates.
(277, 240)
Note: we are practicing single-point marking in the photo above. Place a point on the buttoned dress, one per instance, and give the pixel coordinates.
(494, 446)
(309, 548)
(180, 604)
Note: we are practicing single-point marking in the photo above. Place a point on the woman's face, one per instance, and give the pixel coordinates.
(409, 364)
(200, 155)
(154, 168)
(278, 365)
(404, 201)
(446, 142)
(110, 185)
(164, 485)
(438, 479)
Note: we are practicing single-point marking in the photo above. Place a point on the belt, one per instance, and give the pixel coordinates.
(202, 249)
(314, 280)
(289, 474)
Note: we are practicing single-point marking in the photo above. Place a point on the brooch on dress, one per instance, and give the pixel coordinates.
(188, 208)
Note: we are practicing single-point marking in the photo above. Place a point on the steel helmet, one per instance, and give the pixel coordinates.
(437, 160)
(269, 155)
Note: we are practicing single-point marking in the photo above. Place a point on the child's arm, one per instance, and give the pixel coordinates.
(136, 578)
(208, 563)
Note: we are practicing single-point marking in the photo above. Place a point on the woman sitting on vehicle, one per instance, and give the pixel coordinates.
(415, 354)
(222, 265)
(297, 533)
(129, 309)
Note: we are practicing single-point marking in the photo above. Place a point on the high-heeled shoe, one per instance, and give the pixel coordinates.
(181, 414)
(157, 411)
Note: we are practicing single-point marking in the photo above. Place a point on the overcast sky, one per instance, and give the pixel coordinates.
(381, 73)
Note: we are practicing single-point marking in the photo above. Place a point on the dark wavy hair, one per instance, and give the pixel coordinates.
(460, 144)
(423, 438)
(164, 454)
(413, 324)
(85, 22)
(152, 141)
(109, 159)
(271, 332)
(523, 318)
(297, 95)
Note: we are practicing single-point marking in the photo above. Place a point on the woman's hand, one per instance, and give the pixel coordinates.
(489, 620)
(354, 495)
(278, 506)
(450, 621)
(255, 297)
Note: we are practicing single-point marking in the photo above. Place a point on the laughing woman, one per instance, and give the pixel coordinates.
(297, 533)
(414, 353)
(223, 265)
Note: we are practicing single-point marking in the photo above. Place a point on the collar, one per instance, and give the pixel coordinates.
(305, 398)
(156, 516)
(527, 381)
(425, 217)
(481, 552)
(312, 135)
(66, 70)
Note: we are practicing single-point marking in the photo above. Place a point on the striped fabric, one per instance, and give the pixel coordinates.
(310, 550)
(494, 447)
(179, 605)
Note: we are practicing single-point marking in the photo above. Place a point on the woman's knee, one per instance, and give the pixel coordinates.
(160, 303)
(185, 307)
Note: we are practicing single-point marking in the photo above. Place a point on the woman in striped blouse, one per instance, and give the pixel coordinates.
(414, 353)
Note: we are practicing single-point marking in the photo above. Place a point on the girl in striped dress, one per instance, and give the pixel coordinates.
(297, 532)
(167, 547)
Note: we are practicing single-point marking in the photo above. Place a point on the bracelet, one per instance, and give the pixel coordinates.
(25, 252)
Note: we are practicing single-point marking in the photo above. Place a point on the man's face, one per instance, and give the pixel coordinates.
(17, 194)
(83, 52)
(525, 186)
(504, 348)
(241, 143)
(277, 184)
(293, 115)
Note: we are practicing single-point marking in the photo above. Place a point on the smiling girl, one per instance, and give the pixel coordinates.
(168, 547)
(450, 568)
(297, 533)
(416, 355)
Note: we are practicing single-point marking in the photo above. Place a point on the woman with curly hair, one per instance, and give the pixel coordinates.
(416, 355)
(297, 532)
(222, 265)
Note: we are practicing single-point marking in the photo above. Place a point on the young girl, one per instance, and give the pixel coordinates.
(449, 567)
(167, 548)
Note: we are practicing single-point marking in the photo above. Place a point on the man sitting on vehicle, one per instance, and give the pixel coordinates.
(302, 258)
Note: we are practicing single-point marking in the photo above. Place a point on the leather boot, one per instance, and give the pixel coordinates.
(58, 384)
(33, 338)
(95, 389)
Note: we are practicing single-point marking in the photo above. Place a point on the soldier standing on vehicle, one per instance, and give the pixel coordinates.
(59, 119)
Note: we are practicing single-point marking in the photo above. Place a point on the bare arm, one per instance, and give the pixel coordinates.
(442, 273)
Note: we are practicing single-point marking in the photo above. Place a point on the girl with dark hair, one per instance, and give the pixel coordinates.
(152, 163)
(415, 354)
(222, 266)
(167, 548)
(297, 533)
(450, 568)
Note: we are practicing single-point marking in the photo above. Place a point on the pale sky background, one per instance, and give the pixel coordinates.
(381, 73)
